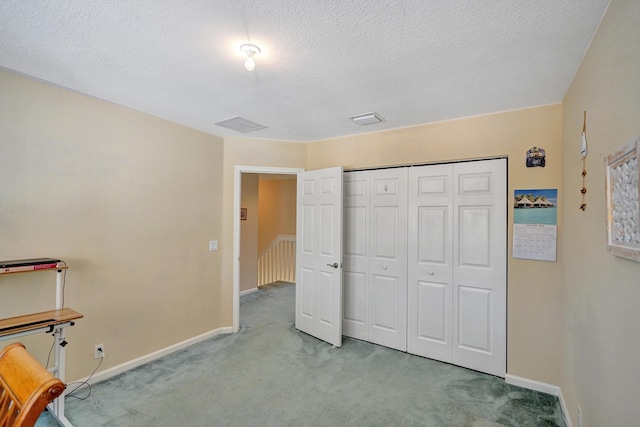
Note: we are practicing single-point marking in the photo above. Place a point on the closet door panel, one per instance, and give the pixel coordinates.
(479, 273)
(384, 291)
(432, 242)
(432, 322)
(474, 328)
(388, 261)
(430, 257)
(432, 297)
(354, 321)
(356, 255)
(355, 263)
(474, 244)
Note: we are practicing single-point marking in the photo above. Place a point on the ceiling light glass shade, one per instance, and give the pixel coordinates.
(250, 64)
(250, 50)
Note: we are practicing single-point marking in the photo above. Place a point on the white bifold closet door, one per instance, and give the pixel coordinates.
(430, 291)
(457, 264)
(355, 273)
(375, 257)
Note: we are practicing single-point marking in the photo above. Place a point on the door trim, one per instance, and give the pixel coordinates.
(239, 170)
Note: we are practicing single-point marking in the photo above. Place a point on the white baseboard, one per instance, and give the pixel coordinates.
(249, 291)
(116, 370)
(565, 410)
(551, 389)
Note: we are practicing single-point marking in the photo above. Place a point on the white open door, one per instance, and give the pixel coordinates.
(319, 254)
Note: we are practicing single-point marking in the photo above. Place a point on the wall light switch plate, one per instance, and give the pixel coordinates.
(213, 245)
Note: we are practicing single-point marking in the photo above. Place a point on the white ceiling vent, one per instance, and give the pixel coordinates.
(239, 124)
(367, 119)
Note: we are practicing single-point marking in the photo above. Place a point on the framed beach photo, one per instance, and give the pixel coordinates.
(623, 209)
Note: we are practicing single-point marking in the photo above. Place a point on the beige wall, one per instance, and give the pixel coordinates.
(277, 201)
(249, 232)
(601, 291)
(534, 306)
(129, 201)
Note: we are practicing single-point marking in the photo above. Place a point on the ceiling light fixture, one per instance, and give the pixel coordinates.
(250, 50)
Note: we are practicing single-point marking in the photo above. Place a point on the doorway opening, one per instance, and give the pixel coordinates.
(237, 234)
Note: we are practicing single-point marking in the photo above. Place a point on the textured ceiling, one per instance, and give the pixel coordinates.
(412, 61)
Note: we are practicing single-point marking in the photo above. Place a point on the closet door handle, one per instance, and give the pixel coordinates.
(334, 265)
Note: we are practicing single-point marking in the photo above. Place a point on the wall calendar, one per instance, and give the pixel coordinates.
(535, 229)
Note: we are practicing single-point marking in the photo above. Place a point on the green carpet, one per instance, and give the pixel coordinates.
(270, 374)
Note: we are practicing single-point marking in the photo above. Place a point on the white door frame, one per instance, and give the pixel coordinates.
(239, 170)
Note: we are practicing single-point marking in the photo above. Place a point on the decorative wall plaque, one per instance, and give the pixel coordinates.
(623, 208)
(536, 157)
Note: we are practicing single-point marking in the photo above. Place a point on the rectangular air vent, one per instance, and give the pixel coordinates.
(239, 124)
(367, 119)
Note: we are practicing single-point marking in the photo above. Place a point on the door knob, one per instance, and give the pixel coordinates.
(334, 265)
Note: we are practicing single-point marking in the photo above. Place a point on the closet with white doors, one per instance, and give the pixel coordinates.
(425, 252)
(375, 257)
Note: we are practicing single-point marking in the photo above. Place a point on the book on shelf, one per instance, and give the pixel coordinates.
(15, 266)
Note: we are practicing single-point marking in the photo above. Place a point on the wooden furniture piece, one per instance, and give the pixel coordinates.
(26, 387)
(45, 321)
(51, 322)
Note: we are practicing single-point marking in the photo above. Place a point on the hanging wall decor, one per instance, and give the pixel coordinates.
(535, 157)
(623, 202)
(583, 154)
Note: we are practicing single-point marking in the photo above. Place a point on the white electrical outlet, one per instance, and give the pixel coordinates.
(579, 417)
(213, 245)
(98, 351)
